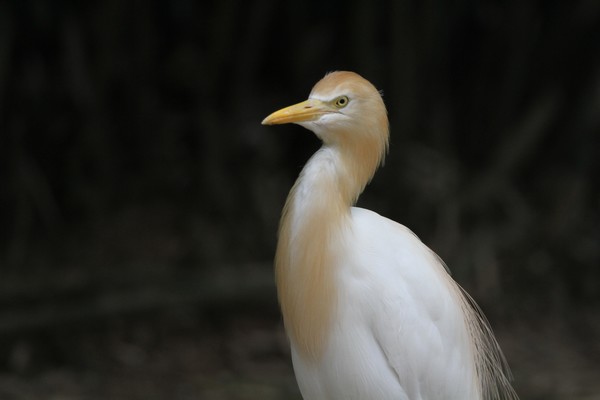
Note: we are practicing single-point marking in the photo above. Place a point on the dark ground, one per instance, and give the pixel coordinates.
(183, 355)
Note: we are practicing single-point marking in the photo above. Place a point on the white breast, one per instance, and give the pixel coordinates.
(400, 333)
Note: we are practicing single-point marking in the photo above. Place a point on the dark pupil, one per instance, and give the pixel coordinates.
(342, 101)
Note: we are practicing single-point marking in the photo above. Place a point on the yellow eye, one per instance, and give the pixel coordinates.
(341, 101)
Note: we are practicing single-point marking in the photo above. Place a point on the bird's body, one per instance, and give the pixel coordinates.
(370, 311)
(390, 340)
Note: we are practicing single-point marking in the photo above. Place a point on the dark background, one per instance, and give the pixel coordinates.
(140, 195)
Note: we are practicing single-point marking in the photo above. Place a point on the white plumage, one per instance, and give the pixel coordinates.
(371, 312)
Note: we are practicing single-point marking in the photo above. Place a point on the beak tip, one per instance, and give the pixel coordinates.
(308, 110)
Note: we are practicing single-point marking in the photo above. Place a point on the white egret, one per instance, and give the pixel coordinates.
(370, 311)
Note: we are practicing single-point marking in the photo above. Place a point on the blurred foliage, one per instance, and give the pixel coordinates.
(131, 144)
(130, 130)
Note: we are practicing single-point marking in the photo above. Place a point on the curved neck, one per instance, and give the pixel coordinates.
(314, 218)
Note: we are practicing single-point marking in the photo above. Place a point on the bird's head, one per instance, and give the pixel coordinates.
(342, 108)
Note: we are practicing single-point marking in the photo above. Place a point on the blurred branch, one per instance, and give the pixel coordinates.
(517, 148)
(6, 44)
(54, 303)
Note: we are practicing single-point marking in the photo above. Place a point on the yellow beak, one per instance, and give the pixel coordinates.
(308, 110)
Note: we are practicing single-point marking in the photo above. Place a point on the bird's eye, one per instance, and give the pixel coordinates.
(341, 101)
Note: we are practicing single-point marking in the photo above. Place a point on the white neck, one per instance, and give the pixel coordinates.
(316, 211)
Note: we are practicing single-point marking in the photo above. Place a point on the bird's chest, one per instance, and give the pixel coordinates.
(353, 365)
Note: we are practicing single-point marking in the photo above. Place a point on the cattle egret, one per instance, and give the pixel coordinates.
(370, 311)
